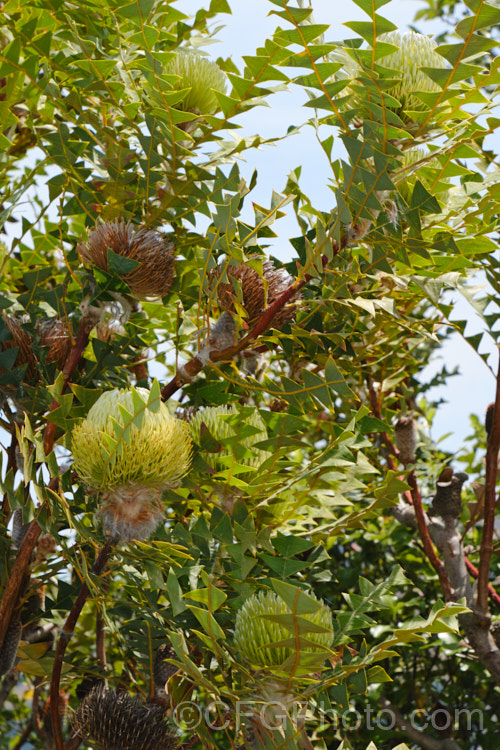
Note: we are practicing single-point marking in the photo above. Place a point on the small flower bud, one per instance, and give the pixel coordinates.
(222, 336)
(201, 77)
(406, 437)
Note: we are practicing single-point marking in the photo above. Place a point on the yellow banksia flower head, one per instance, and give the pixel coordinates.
(131, 448)
(202, 77)
(213, 420)
(153, 252)
(415, 51)
(266, 632)
(118, 720)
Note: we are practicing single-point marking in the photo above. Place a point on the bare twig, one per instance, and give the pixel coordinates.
(66, 634)
(17, 576)
(486, 547)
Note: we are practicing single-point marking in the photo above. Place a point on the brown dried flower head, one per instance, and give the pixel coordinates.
(152, 250)
(55, 334)
(257, 292)
(24, 342)
(116, 721)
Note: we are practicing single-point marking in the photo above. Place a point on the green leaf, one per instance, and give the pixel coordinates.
(208, 623)
(119, 264)
(174, 592)
(211, 597)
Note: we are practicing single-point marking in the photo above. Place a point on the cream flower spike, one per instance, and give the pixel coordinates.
(131, 448)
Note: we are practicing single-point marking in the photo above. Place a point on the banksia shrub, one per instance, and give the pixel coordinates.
(116, 721)
(211, 425)
(131, 449)
(202, 77)
(253, 293)
(267, 633)
(147, 257)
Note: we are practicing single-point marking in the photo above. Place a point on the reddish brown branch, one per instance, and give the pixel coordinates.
(423, 531)
(486, 547)
(66, 634)
(17, 576)
(474, 572)
(81, 341)
(195, 365)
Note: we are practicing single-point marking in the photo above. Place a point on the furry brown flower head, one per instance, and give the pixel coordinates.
(255, 292)
(116, 721)
(153, 252)
(53, 333)
(24, 343)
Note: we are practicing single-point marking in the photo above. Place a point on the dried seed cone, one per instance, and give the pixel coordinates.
(257, 293)
(255, 634)
(116, 721)
(448, 498)
(162, 670)
(415, 51)
(202, 77)
(131, 451)
(212, 420)
(9, 647)
(406, 437)
(55, 334)
(24, 342)
(154, 253)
